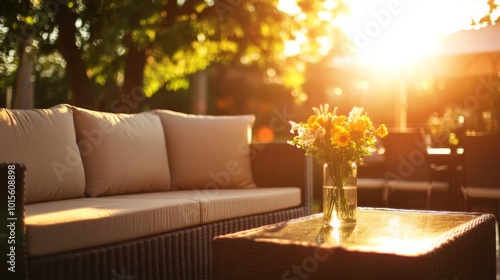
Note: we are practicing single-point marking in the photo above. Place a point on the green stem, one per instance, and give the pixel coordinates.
(336, 175)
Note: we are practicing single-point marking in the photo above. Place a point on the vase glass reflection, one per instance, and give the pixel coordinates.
(340, 200)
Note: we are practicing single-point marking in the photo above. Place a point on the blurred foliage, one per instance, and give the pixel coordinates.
(111, 48)
(50, 76)
(474, 106)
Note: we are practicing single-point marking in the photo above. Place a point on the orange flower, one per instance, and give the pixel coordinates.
(311, 122)
(382, 131)
(321, 120)
(341, 137)
(362, 123)
(339, 120)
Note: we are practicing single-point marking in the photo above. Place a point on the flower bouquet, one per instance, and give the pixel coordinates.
(339, 142)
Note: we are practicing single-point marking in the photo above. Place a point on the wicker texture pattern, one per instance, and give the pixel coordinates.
(184, 254)
(187, 253)
(468, 252)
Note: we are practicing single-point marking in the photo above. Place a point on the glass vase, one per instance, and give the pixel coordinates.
(340, 194)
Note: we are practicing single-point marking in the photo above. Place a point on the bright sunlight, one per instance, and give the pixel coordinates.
(387, 33)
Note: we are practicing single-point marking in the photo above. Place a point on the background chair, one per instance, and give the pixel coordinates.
(410, 178)
(481, 182)
(372, 187)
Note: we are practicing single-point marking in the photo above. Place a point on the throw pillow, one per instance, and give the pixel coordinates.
(208, 152)
(44, 141)
(122, 153)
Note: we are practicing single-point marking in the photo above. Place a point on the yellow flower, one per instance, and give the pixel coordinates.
(337, 138)
(362, 123)
(338, 121)
(316, 122)
(341, 137)
(321, 120)
(382, 131)
(311, 122)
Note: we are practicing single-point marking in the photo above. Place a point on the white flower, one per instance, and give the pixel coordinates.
(354, 114)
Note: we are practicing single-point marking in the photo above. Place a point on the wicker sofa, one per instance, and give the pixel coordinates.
(141, 196)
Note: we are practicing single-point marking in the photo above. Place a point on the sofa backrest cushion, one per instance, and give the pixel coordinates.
(208, 152)
(122, 153)
(44, 141)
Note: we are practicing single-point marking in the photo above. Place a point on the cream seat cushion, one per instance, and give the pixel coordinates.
(208, 152)
(65, 225)
(43, 140)
(122, 153)
(222, 204)
(478, 192)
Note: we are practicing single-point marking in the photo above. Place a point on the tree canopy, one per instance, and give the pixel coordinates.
(117, 53)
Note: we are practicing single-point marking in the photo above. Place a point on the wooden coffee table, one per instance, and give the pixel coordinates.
(385, 244)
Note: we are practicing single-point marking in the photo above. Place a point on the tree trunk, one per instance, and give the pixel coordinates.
(76, 70)
(111, 93)
(199, 89)
(132, 92)
(24, 84)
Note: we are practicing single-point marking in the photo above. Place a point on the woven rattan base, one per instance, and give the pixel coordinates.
(185, 254)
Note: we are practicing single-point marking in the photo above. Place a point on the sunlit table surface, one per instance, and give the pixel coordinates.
(377, 230)
(384, 244)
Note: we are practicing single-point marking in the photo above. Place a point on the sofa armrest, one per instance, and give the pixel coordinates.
(279, 164)
(12, 235)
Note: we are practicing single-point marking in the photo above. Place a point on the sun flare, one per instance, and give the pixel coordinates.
(388, 33)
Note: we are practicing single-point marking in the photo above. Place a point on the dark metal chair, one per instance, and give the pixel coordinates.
(372, 187)
(409, 175)
(481, 182)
